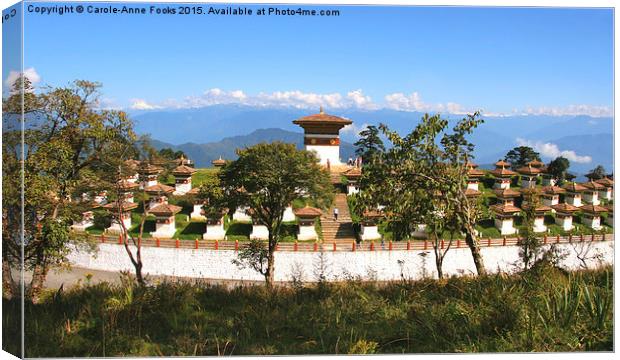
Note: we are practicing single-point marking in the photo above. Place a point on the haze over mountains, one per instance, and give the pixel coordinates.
(207, 133)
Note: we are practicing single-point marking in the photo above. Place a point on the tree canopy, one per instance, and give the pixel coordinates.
(267, 178)
(70, 147)
(520, 156)
(369, 146)
(597, 173)
(558, 168)
(422, 178)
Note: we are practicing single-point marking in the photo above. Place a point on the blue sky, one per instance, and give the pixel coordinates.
(501, 60)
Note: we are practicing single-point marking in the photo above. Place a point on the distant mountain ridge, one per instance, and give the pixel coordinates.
(203, 154)
(206, 133)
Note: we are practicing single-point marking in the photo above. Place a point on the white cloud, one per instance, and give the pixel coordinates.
(353, 99)
(572, 110)
(140, 104)
(30, 73)
(552, 151)
(295, 98)
(359, 100)
(354, 129)
(413, 102)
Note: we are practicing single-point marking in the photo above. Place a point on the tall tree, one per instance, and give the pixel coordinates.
(70, 146)
(558, 169)
(427, 160)
(520, 156)
(267, 178)
(369, 146)
(597, 173)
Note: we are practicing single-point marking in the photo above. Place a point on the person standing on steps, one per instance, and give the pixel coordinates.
(335, 214)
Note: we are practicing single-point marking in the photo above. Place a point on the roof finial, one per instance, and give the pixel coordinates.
(321, 110)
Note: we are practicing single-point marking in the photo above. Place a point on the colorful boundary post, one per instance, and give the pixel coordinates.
(237, 245)
(334, 246)
(157, 242)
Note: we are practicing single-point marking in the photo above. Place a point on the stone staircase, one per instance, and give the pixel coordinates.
(341, 230)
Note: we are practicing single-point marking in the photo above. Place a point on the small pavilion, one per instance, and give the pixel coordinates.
(591, 215)
(502, 175)
(165, 226)
(125, 216)
(158, 194)
(551, 195)
(197, 213)
(564, 215)
(607, 192)
(182, 179)
(504, 218)
(322, 135)
(471, 193)
(590, 194)
(353, 176)
(529, 174)
(132, 167)
(573, 193)
(88, 218)
(218, 163)
(215, 227)
(539, 216)
(506, 196)
(148, 174)
(307, 218)
(101, 197)
(259, 231)
(473, 175)
(126, 189)
(370, 222)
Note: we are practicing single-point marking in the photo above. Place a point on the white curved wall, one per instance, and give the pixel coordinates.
(340, 265)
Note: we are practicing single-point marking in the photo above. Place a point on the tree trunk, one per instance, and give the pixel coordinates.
(8, 284)
(39, 274)
(139, 278)
(269, 274)
(439, 264)
(472, 241)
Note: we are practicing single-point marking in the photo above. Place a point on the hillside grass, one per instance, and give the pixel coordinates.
(546, 309)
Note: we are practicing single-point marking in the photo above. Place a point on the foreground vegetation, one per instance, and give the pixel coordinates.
(545, 309)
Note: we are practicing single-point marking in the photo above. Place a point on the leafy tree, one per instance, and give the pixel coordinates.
(369, 146)
(212, 193)
(69, 147)
(427, 162)
(267, 178)
(558, 169)
(597, 173)
(529, 242)
(520, 156)
(169, 154)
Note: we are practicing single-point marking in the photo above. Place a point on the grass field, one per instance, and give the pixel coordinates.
(543, 310)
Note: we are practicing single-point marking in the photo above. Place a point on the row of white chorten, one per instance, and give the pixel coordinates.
(583, 197)
(145, 178)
